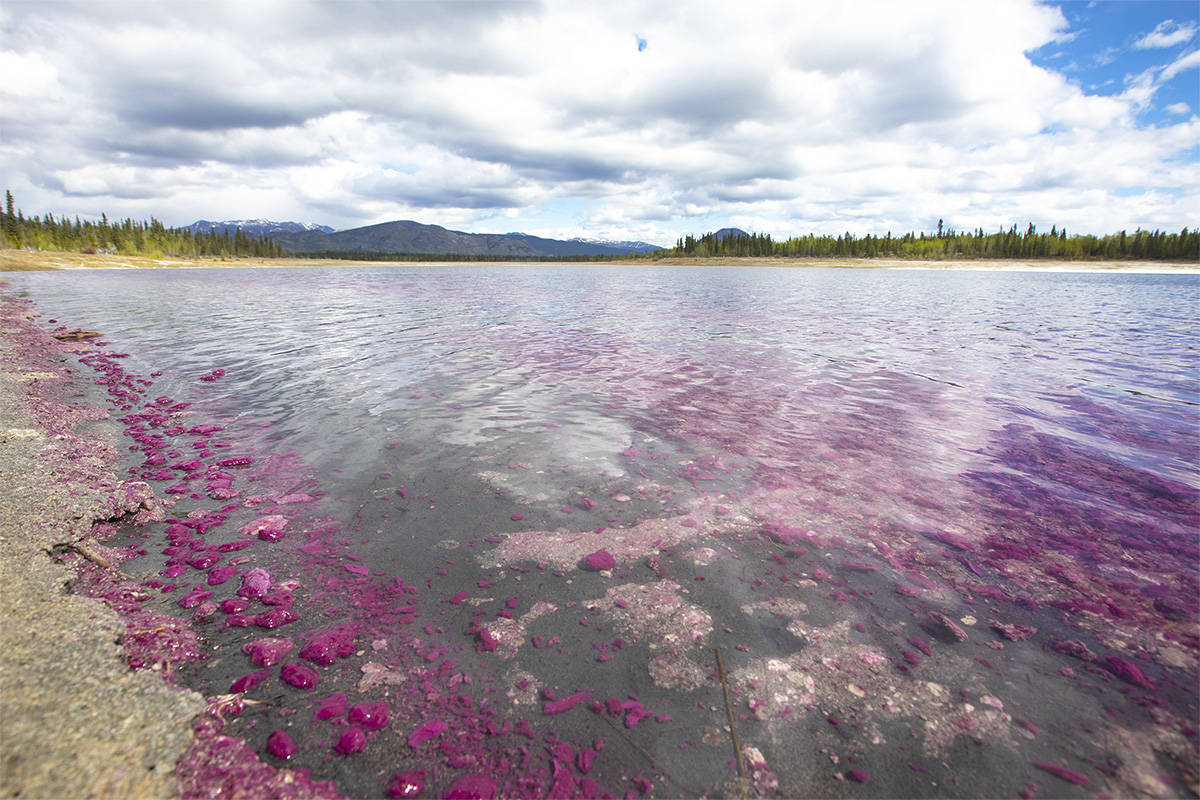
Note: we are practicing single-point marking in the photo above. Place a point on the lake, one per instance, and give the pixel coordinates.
(549, 528)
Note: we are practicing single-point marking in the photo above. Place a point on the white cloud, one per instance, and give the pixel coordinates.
(1187, 61)
(1167, 33)
(863, 116)
(1178, 108)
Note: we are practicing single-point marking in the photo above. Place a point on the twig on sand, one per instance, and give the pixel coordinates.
(96, 558)
(737, 745)
(643, 751)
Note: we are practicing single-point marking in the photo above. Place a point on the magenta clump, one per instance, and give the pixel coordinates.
(218, 575)
(332, 706)
(280, 745)
(234, 605)
(352, 740)
(955, 540)
(255, 583)
(858, 775)
(428, 729)
(299, 675)
(565, 703)
(920, 644)
(275, 617)
(1127, 672)
(372, 716)
(599, 560)
(194, 598)
(248, 682)
(268, 651)
(1068, 775)
(326, 646)
(407, 784)
(471, 787)
(236, 461)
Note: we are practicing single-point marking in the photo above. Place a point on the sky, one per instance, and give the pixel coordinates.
(619, 120)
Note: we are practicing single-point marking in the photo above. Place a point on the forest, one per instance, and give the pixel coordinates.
(153, 239)
(949, 244)
(127, 237)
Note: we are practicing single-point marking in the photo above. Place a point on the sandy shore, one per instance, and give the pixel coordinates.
(77, 721)
(24, 260)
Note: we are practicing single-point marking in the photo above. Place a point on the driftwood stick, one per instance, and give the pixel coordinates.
(737, 745)
(96, 558)
(643, 751)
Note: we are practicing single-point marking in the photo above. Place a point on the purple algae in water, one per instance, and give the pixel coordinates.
(429, 729)
(279, 615)
(371, 716)
(920, 644)
(248, 682)
(326, 646)
(332, 706)
(194, 598)
(280, 745)
(268, 650)
(299, 675)
(1127, 672)
(599, 560)
(218, 575)
(1069, 775)
(352, 740)
(471, 787)
(407, 784)
(255, 584)
(234, 605)
(565, 703)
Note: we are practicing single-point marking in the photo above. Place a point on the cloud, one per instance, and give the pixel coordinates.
(1167, 33)
(1178, 108)
(860, 115)
(1187, 61)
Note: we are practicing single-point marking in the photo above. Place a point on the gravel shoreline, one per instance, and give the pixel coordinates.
(78, 722)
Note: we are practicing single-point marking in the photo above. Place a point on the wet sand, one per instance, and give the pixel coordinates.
(77, 721)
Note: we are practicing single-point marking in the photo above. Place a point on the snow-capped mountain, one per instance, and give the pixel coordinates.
(636, 247)
(256, 227)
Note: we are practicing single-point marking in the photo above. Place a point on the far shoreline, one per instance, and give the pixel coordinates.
(24, 260)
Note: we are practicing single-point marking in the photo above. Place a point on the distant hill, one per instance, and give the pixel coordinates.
(405, 237)
(724, 233)
(255, 227)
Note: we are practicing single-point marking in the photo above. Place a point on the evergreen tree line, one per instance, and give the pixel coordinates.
(128, 237)
(950, 244)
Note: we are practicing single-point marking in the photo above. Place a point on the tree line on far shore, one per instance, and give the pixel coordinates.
(128, 237)
(153, 239)
(949, 244)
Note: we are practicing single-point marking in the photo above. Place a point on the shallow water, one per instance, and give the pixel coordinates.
(798, 467)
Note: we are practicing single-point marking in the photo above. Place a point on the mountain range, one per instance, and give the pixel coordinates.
(405, 237)
(255, 227)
